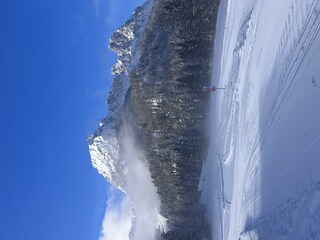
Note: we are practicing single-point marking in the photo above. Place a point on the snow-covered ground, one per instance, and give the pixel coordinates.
(262, 176)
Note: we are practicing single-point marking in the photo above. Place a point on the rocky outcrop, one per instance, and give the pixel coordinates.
(104, 146)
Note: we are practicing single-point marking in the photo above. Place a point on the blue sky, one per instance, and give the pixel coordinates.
(54, 77)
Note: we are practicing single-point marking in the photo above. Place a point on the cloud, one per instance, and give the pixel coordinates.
(113, 11)
(117, 221)
(141, 190)
(141, 196)
(96, 5)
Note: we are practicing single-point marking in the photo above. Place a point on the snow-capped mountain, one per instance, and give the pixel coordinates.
(103, 144)
(261, 176)
(165, 57)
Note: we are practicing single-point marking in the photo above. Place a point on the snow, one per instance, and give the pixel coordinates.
(104, 145)
(261, 179)
(114, 153)
(104, 151)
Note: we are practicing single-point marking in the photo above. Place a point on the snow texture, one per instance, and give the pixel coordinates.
(262, 176)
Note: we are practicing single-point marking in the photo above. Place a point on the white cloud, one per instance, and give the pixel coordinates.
(143, 198)
(113, 11)
(141, 190)
(117, 221)
(96, 5)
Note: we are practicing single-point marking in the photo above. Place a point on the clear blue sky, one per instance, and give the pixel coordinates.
(54, 77)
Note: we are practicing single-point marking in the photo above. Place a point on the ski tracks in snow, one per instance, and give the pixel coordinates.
(294, 46)
(243, 130)
(303, 212)
(231, 100)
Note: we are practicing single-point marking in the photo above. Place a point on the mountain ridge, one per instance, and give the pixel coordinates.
(164, 67)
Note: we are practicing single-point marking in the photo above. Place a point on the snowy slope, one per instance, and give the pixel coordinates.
(263, 170)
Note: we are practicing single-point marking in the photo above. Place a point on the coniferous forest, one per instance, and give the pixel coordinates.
(170, 110)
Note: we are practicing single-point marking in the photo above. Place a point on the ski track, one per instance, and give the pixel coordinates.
(295, 65)
(258, 151)
(289, 76)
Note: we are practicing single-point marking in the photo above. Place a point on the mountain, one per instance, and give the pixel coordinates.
(164, 58)
(103, 144)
